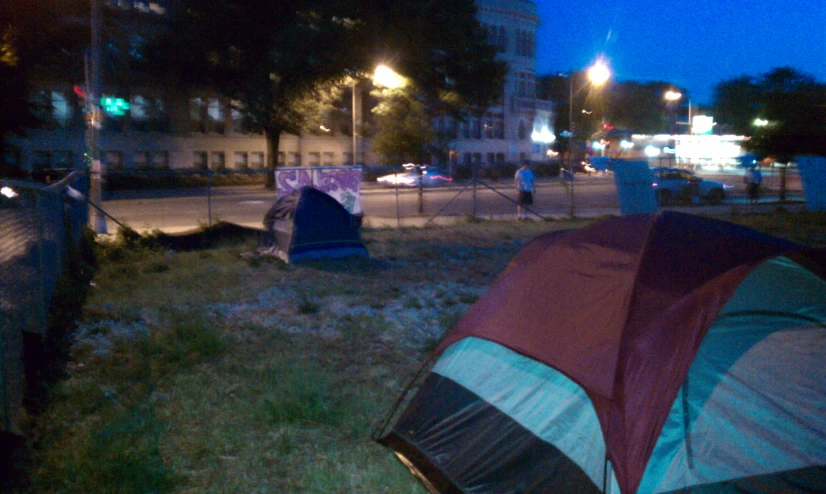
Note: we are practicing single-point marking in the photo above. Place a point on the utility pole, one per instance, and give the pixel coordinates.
(94, 122)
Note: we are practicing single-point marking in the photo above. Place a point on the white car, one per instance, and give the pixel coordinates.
(431, 177)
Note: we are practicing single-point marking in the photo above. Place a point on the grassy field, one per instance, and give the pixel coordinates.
(215, 371)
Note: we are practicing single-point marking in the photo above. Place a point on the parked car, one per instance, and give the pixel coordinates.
(431, 176)
(675, 185)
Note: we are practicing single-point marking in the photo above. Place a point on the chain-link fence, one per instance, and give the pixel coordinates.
(39, 225)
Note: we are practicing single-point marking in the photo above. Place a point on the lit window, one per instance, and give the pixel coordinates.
(257, 159)
(141, 160)
(160, 160)
(199, 160)
(217, 160)
(241, 162)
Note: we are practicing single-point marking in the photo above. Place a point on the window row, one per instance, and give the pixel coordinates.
(68, 110)
(491, 126)
(496, 36)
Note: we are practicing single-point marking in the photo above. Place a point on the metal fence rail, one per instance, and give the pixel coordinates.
(39, 225)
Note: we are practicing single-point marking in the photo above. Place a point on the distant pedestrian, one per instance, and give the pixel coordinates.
(524, 180)
(753, 179)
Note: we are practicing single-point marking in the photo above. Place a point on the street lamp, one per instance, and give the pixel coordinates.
(383, 76)
(598, 74)
(672, 96)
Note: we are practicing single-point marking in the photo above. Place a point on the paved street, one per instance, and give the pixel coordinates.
(246, 205)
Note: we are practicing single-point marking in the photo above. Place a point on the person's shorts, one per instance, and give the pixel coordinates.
(525, 198)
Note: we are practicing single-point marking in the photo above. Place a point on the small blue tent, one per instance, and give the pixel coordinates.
(310, 224)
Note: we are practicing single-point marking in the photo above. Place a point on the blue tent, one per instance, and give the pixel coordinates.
(310, 224)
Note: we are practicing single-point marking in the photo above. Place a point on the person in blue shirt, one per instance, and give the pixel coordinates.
(524, 180)
(753, 178)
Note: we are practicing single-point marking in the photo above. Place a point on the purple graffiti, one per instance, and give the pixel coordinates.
(325, 180)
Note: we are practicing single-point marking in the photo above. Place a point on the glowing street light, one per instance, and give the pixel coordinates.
(673, 95)
(598, 74)
(387, 77)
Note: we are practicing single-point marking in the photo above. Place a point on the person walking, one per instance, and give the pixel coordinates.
(753, 178)
(525, 187)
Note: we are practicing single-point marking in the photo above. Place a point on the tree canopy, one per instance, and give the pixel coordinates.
(789, 106)
(276, 56)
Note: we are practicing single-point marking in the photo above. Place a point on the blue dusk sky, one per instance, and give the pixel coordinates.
(695, 44)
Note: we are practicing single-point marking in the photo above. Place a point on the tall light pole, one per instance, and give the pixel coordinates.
(93, 101)
(355, 122)
(598, 74)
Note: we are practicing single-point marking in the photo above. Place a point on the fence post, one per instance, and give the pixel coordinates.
(473, 211)
(209, 197)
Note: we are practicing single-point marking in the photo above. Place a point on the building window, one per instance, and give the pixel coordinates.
(477, 157)
(140, 160)
(489, 127)
(522, 131)
(257, 160)
(11, 158)
(216, 116)
(198, 115)
(295, 159)
(467, 158)
(451, 131)
(62, 159)
(218, 160)
(348, 158)
(476, 129)
(199, 160)
(282, 159)
(328, 159)
(61, 110)
(315, 159)
(236, 116)
(500, 158)
(148, 114)
(42, 160)
(113, 160)
(241, 160)
(207, 115)
(160, 160)
(491, 157)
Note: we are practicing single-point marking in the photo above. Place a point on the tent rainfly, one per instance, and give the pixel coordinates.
(648, 353)
(309, 224)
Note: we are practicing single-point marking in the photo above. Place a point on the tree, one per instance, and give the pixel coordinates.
(404, 130)
(792, 106)
(641, 107)
(736, 103)
(277, 57)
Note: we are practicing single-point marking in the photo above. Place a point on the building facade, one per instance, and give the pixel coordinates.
(150, 127)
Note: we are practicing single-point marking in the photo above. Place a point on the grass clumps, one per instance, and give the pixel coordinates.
(199, 371)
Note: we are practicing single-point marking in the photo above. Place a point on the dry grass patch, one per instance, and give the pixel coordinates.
(204, 372)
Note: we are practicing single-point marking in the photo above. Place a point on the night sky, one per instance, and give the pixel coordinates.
(695, 44)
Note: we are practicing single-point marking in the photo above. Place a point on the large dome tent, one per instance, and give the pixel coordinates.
(649, 353)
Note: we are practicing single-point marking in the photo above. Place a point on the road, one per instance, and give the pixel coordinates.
(246, 205)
